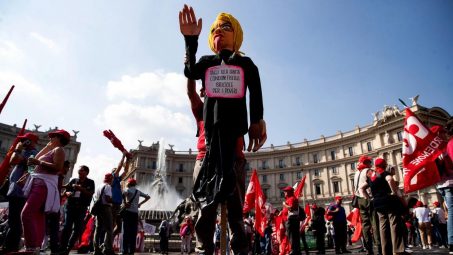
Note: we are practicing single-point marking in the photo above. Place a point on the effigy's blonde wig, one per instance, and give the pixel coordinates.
(237, 31)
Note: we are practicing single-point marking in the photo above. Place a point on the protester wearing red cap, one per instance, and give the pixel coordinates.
(131, 204)
(370, 222)
(339, 224)
(440, 224)
(292, 224)
(104, 219)
(424, 224)
(42, 189)
(16, 199)
(387, 202)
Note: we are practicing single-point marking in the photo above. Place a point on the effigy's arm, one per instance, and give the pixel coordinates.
(257, 129)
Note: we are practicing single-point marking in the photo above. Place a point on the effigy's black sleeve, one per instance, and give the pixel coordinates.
(192, 70)
(256, 97)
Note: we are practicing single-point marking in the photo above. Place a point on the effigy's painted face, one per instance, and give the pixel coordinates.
(223, 35)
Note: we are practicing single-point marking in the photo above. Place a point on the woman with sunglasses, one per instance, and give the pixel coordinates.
(41, 189)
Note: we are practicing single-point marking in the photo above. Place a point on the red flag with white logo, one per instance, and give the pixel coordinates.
(300, 187)
(249, 201)
(421, 147)
(260, 208)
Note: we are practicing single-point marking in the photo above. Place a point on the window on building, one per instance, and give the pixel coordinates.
(351, 151)
(264, 178)
(154, 165)
(318, 189)
(247, 180)
(280, 163)
(317, 173)
(352, 182)
(399, 134)
(334, 170)
(315, 158)
(247, 166)
(353, 166)
(180, 180)
(282, 194)
(142, 162)
(282, 177)
(299, 175)
(332, 155)
(266, 191)
(336, 186)
(181, 168)
(368, 146)
(264, 164)
(297, 161)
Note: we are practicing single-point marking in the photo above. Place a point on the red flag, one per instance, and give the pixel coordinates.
(356, 221)
(254, 198)
(299, 188)
(307, 210)
(420, 148)
(260, 208)
(5, 166)
(116, 142)
(87, 235)
(249, 201)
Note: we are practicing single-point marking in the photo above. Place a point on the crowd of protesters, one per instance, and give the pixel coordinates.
(47, 213)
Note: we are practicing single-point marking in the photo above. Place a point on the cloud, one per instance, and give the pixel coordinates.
(9, 50)
(149, 123)
(28, 93)
(49, 43)
(157, 87)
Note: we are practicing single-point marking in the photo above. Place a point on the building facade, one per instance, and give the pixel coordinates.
(328, 162)
(9, 133)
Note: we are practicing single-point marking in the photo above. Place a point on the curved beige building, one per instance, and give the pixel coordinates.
(329, 162)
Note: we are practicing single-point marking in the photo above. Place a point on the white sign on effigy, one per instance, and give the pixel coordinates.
(225, 81)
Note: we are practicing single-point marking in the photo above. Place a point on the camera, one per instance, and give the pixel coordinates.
(26, 142)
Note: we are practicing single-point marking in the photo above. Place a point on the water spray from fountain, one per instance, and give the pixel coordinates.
(163, 197)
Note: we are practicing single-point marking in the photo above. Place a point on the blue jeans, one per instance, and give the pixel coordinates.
(447, 193)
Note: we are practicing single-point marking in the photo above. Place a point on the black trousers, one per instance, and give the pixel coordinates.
(12, 241)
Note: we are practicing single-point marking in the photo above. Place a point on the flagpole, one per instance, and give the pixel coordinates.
(6, 98)
(223, 228)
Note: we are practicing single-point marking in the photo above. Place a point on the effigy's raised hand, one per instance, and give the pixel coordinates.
(188, 22)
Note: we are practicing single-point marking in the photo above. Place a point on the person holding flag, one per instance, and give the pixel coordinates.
(370, 222)
(16, 199)
(291, 204)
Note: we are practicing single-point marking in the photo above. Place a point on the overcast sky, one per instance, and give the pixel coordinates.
(324, 65)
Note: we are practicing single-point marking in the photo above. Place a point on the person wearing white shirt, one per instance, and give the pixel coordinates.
(424, 224)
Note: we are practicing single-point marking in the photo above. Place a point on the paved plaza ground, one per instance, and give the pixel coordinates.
(353, 249)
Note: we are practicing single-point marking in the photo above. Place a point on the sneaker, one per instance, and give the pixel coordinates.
(424, 247)
(408, 250)
(410, 246)
(429, 247)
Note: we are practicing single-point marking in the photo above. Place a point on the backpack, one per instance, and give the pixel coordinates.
(163, 231)
(302, 214)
